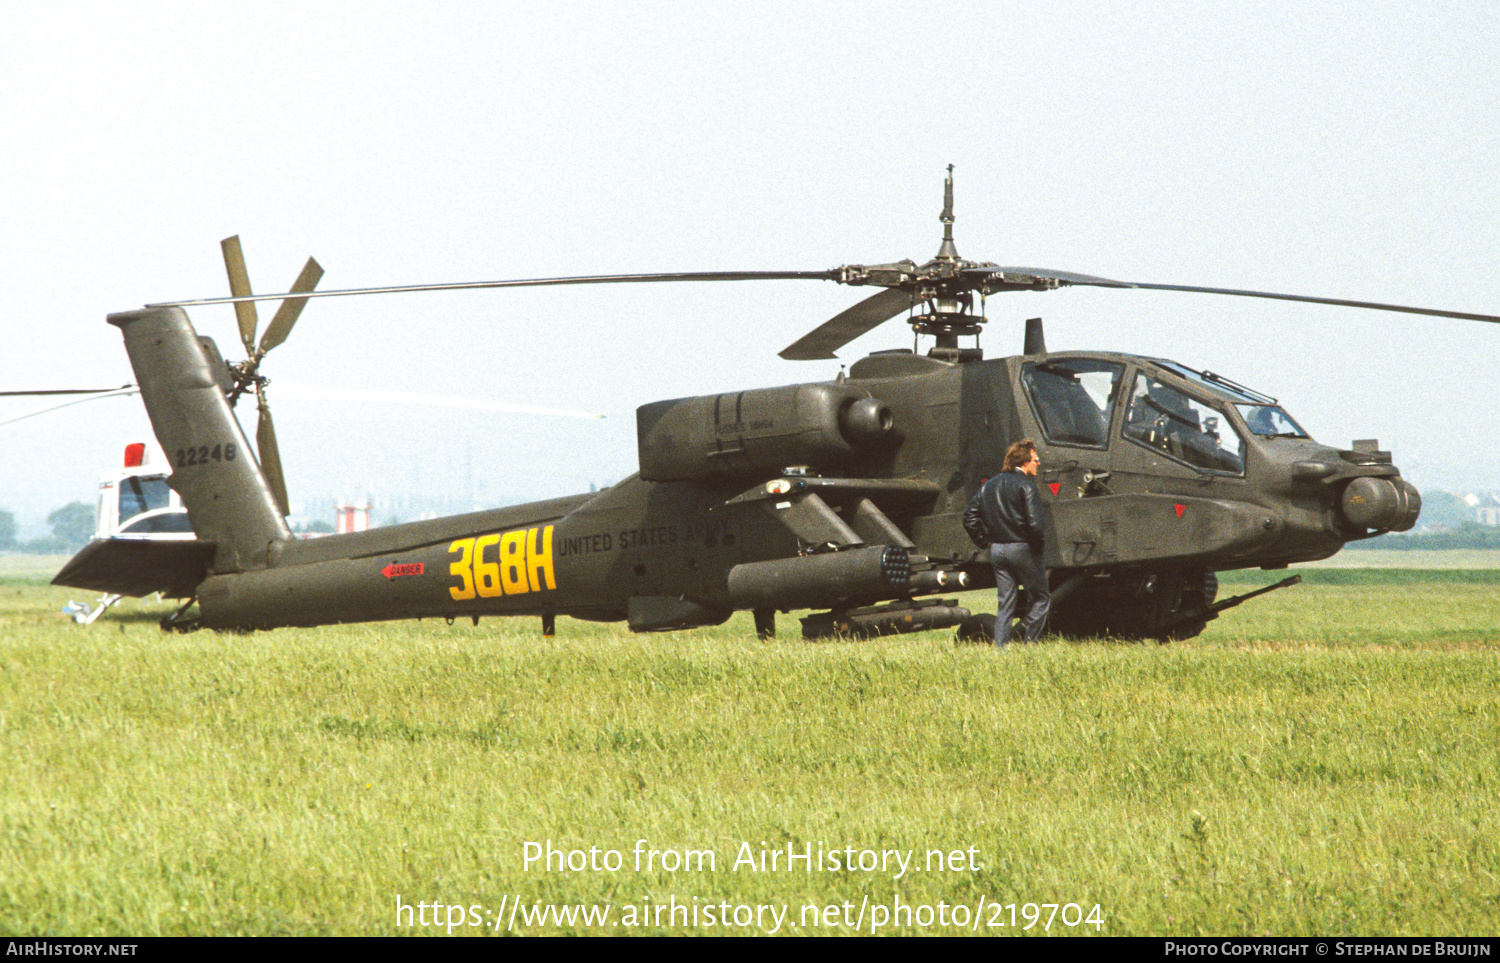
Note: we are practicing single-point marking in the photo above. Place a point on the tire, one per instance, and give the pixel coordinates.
(1137, 606)
(1198, 592)
(976, 630)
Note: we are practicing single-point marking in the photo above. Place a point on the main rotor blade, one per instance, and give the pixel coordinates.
(291, 308)
(1015, 278)
(1338, 302)
(832, 275)
(270, 455)
(839, 330)
(64, 391)
(239, 286)
(90, 396)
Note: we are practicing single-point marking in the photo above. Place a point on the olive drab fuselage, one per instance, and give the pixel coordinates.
(844, 496)
(805, 496)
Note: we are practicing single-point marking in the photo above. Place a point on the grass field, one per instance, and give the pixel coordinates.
(1413, 558)
(1323, 760)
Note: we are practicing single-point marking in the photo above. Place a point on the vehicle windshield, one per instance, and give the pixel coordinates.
(142, 493)
(172, 522)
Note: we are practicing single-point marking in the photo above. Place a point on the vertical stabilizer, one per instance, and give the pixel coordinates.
(213, 467)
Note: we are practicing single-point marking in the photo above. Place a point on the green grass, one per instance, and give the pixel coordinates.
(1323, 760)
(29, 569)
(1363, 576)
(1359, 555)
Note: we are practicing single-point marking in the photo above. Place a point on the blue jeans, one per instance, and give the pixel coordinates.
(1016, 563)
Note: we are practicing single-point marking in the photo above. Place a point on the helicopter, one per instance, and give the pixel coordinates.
(841, 497)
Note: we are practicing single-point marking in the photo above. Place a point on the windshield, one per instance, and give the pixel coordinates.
(1265, 418)
(1218, 384)
(166, 523)
(1270, 421)
(1183, 427)
(142, 493)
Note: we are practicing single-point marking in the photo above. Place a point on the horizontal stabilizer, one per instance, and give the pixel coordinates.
(136, 567)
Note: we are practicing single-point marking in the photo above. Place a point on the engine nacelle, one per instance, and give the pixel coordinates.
(823, 426)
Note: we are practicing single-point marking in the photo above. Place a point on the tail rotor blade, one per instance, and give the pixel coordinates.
(270, 455)
(291, 308)
(239, 286)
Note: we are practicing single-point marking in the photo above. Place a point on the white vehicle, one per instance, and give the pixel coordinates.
(143, 540)
(135, 500)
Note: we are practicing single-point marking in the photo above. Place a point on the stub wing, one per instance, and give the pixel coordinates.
(136, 567)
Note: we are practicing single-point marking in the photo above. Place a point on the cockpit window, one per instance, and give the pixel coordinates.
(1073, 398)
(1217, 384)
(1270, 421)
(1261, 413)
(1183, 427)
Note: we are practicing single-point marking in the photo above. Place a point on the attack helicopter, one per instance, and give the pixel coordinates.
(842, 497)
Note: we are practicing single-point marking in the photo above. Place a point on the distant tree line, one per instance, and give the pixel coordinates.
(72, 526)
(318, 526)
(1465, 535)
(1447, 522)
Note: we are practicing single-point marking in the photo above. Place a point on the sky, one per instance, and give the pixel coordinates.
(1331, 149)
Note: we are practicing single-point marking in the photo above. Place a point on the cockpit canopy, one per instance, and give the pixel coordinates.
(1263, 416)
(1075, 399)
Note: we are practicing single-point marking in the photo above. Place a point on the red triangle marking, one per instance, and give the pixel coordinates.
(1055, 486)
(1180, 509)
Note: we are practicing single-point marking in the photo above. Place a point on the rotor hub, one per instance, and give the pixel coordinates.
(246, 377)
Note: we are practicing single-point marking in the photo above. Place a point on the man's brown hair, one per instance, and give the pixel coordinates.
(1019, 454)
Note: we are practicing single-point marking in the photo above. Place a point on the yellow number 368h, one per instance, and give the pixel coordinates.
(509, 563)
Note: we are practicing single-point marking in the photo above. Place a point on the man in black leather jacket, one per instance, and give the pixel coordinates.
(1006, 518)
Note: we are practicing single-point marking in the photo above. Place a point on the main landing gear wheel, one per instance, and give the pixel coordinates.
(1166, 605)
(977, 630)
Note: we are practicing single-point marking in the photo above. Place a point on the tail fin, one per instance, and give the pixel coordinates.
(213, 467)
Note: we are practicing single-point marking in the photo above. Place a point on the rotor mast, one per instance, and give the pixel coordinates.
(947, 298)
(948, 252)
